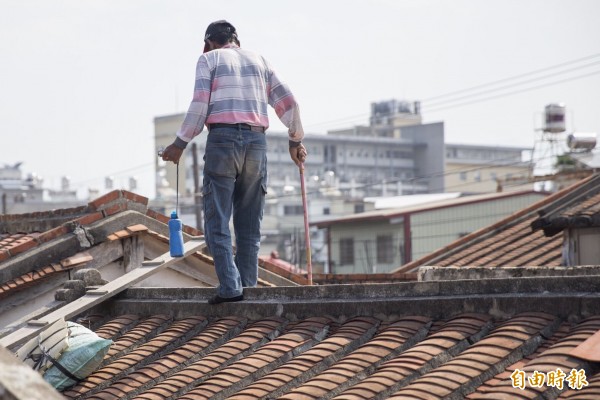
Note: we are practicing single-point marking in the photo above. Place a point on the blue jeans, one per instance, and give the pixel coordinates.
(235, 182)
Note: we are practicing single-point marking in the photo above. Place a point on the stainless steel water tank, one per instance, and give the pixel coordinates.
(555, 118)
(584, 141)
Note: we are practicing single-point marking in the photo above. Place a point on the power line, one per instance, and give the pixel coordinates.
(513, 92)
(489, 84)
(511, 85)
(513, 77)
(146, 167)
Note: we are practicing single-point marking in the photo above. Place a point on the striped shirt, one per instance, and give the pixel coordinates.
(235, 85)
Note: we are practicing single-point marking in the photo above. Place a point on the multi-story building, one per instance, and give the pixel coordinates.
(22, 194)
(466, 168)
(480, 169)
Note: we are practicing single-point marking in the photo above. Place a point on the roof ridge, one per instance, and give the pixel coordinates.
(108, 204)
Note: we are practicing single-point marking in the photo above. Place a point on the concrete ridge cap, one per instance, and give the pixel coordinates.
(456, 288)
(570, 306)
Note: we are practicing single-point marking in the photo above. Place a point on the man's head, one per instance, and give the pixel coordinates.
(220, 33)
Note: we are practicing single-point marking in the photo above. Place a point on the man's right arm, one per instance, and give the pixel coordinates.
(198, 109)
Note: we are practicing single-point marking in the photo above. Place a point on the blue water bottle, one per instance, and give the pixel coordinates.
(175, 236)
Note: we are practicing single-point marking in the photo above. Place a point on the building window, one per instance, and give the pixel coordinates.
(326, 211)
(358, 208)
(347, 251)
(385, 254)
(293, 210)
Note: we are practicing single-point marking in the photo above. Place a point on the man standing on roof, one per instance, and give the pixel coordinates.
(233, 88)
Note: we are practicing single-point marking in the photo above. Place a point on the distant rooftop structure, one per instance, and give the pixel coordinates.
(590, 160)
(386, 119)
(409, 200)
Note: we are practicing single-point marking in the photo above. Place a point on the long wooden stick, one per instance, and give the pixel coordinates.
(306, 229)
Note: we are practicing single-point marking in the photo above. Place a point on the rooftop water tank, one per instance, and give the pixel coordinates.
(555, 118)
(581, 141)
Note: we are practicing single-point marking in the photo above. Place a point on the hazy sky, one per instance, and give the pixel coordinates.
(81, 81)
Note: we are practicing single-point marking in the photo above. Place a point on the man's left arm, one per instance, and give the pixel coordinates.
(286, 107)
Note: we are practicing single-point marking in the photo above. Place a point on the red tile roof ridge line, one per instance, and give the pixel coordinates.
(272, 330)
(307, 338)
(278, 270)
(47, 243)
(115, 327)
(137, 335)
(358, 278)
(416, 337)
(68, 226)
(527, 347)
(102, 207)
(29, 278)
(573, 196)
(428, 365)
(37, 215)
(167, 347)
(480, 233)
(236, 325)
(107, 371)
(353, 344)
(118, 196)
(545, 358)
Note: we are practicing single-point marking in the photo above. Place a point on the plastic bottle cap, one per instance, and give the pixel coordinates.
(174, 215)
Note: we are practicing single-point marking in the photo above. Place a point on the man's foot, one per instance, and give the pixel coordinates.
(216, 299)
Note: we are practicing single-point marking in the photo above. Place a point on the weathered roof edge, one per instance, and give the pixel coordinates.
(568, 296)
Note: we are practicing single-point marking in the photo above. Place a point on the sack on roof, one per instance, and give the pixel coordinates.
(50, 344)
(83, 355)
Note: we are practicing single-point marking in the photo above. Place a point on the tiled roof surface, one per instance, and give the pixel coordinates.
(16, 243)
(526, 238)
(413, 357)
(32, 278)
(583, 214)
(514, 246)
(22, 234)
